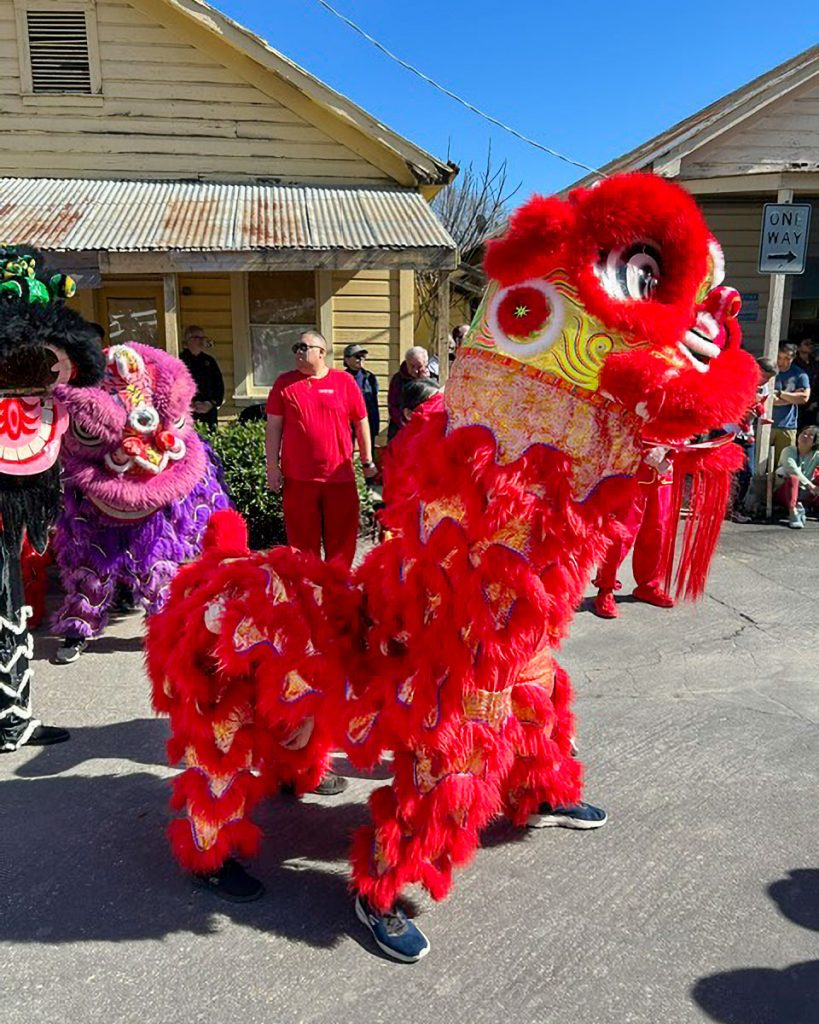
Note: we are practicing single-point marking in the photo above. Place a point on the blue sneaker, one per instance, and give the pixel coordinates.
(393, 932)
(581, 816)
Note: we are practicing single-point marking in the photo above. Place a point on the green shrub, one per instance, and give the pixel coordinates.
(240, 448)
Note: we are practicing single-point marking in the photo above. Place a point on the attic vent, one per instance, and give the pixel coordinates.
(58, 50)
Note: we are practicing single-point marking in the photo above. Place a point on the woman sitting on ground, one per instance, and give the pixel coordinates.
(796, 476)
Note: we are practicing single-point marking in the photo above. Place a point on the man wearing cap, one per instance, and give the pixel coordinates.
(354, 356)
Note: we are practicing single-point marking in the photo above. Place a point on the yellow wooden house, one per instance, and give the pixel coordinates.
(186, 172)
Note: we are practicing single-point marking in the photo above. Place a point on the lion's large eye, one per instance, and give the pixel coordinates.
(526, 319)
(632, 272)
(89, 440)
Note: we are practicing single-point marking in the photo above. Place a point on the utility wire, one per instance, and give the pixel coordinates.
(455, 96)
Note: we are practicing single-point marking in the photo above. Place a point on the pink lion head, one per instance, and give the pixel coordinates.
(130, 447)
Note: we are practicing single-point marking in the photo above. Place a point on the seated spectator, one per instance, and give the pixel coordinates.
(797, 476)
(414, 366)
(791, 389)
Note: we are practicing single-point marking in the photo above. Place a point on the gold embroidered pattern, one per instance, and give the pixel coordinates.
(433, 512)
(361, 726)
(294, 687)
(524, 406)
(490, 706)
(473, 763)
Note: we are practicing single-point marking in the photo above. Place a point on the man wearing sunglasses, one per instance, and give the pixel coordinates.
(309, 446)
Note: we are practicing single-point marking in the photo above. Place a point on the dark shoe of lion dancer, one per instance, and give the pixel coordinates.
(43, 345)
(508, 490)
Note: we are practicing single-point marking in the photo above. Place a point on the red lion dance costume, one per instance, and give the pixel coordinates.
(605, 334)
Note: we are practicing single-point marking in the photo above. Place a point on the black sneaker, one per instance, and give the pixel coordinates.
(231, 882)
(70, 649)
(47, 735)
(393, 932)
(331, 785)
(580, 816)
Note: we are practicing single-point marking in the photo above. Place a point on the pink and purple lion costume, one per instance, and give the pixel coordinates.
(605, 337)
(139, 487)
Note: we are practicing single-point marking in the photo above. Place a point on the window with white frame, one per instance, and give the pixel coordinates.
(281, 305)
(58, 48)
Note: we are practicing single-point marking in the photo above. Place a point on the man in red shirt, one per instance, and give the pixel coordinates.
(310, 450)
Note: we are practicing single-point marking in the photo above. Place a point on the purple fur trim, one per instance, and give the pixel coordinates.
(95, 553)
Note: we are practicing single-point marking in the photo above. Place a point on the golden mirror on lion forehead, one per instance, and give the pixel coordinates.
(542, 323)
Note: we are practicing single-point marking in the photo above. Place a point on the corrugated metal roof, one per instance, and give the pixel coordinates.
(77, 215)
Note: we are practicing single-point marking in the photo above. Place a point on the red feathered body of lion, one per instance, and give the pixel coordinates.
(605, 334)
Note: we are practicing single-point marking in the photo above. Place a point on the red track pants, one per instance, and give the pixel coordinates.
(315, 511)
(646, 526)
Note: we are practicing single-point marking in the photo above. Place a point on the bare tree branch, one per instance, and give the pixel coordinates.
(472, 210)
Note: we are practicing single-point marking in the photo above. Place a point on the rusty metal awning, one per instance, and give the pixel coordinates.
(260, 222)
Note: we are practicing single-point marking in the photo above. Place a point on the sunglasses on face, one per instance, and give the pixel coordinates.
(302, 348)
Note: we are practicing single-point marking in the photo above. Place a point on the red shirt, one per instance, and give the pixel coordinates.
(317, 442)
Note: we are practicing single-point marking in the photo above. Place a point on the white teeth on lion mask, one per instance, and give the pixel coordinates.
(698, 344)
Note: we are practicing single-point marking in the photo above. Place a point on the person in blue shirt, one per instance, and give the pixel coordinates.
(354, 356)
(791, 389)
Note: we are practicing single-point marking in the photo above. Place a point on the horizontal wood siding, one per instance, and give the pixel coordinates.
(207, 304)
(367, 311)
(736, 227)
(784, 137)
(168, 110)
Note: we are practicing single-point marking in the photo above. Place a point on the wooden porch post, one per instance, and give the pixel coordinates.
(442, 331)
(170, 285)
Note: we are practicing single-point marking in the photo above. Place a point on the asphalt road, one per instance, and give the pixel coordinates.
(699, 901)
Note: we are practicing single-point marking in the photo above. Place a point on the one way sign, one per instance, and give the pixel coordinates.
(784, 242)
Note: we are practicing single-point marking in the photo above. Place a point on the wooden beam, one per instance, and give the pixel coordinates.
(179, 262)
(170, 286)
(324, 295)
(442, 327)
(240, 321)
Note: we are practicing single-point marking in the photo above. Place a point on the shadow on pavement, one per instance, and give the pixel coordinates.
(91, 862)
(763, 995)
(141, 740)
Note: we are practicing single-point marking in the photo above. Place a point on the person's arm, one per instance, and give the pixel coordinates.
(272, 447)
(799, 397)
(218, 385)
(365, 447)
(394, 400)
(376, 427)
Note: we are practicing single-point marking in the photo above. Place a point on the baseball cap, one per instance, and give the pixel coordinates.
(354, 350)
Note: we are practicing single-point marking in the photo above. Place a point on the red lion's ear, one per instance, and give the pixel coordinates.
(533, 242)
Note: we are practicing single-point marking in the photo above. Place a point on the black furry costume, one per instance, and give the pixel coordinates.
(42, 343)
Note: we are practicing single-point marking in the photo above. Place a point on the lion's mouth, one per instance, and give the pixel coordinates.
(30, 433)
(700, 343)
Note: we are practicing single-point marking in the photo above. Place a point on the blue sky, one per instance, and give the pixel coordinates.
(590, 79)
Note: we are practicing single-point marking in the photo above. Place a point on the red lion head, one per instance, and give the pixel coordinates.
(618, 289)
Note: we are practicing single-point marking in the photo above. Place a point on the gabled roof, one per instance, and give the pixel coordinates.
(425, 168)
(712, 121)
